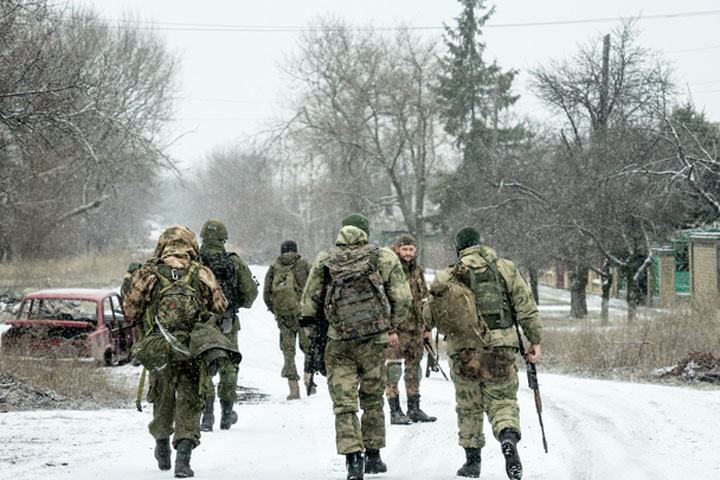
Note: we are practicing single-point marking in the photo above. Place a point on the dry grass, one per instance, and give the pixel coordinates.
(79, 383)
(92, 271)
(657, 339)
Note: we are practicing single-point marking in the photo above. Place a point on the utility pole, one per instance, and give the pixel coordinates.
(604, 87)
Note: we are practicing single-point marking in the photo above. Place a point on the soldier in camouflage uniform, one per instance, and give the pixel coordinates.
(411, 333)
(496, 397)
(356, 367)
(294, 270)
(240, 289)
(176, 390)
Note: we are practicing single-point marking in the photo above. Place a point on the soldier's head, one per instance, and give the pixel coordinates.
(177, 241)
(288, 246)
(215, 230)
(405, 247)
(357, 220)
(467, 237)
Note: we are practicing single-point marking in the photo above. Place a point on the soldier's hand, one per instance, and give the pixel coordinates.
(533, 353)
(393, 340)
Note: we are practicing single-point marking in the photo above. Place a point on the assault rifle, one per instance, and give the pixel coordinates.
(315, 360)
(532, 382)
(433, 362)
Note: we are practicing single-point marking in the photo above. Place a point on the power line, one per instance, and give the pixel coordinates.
(209, 27)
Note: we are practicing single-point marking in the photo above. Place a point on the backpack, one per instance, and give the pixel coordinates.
(285, 301)
(491, 295)
(176, 301)
(225, 271)
(356, 304)
(452, 305)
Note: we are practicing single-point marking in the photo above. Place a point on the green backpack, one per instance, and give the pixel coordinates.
(176, 301)
(285, 295)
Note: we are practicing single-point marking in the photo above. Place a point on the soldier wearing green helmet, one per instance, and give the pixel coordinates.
(240, 289)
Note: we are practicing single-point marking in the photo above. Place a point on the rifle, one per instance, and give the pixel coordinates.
(433, 360)
(315, 360)
(532, 382)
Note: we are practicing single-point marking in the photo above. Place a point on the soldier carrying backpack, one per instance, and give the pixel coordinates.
(283, 286)
(365, 296)
(240, 289)
(175, 301)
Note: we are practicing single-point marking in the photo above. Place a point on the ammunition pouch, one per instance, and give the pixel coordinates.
(484, 366)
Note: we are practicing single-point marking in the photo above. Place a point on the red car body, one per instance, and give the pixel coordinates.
(81, 322)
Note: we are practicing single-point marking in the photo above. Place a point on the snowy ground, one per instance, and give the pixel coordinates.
(596, 430)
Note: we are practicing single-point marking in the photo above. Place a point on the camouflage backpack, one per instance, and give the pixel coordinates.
(285, 301)
(356, 304)
(453, 307)
(176, 301)
(225, 271)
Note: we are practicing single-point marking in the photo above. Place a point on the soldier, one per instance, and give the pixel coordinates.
(282, 291)
(240, 289)
(175, 386)
(488, 382)
(411, 333)
(365, 296)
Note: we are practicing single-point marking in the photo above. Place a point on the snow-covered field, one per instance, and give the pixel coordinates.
(596, 430)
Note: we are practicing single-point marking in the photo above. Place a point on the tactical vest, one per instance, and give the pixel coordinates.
(176, 300)
(491, 295)
(356, 304)
(285, 295)
(225, 271)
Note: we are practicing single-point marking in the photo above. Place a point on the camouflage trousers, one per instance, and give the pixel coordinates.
(290, 331)
(497, 400)
(410, 349)
(228, 372)
(176, 395)
(356, 371)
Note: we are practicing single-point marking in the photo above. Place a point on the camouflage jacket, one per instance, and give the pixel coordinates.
(177, 248)
(418, 287)
(300, 270)
(396, 286)
(525, 307)
(248, 289)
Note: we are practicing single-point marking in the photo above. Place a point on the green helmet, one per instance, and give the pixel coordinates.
(214, 229)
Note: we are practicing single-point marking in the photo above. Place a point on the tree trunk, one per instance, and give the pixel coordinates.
(578, 282)
(607, 280)
(534, 285)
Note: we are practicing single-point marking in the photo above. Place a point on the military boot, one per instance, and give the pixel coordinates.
(294, 390)
(310, 386)
(355, 466)
(397, 417)
(162, 453)
(471, 467)
(182, 459)
(229, 416)
(508, 444)
(373, 462)
(208, 418)
(414, 412)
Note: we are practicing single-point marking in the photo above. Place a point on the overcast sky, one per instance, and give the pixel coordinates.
(232, 84)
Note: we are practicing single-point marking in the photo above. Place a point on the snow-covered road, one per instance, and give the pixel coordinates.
(598, 430)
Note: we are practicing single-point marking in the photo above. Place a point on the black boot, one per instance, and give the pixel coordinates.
(508, 444)
(208, 418)
(414, 412)
(162, 453)
(373, 462)
(397, 417)
(182, 459)
(355, 466)
(471, 467)
(229, 416)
